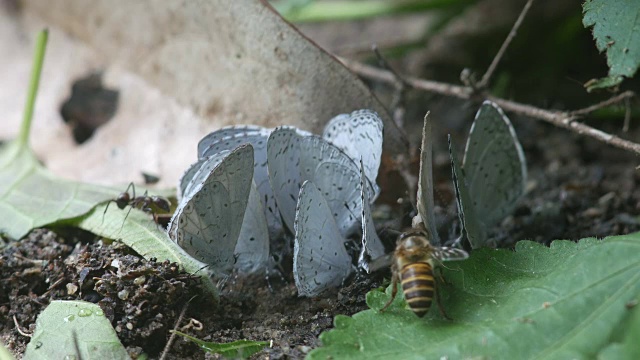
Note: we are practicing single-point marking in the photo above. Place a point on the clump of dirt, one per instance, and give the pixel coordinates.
(142, 298)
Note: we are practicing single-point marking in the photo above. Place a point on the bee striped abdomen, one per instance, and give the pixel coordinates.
(418, 286)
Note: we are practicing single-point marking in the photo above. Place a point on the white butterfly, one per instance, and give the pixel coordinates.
(210, 222)
(493, 176)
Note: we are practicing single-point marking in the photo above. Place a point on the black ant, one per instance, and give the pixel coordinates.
(149, 204)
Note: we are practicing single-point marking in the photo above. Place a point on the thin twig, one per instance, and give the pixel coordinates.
(558, 118)
(614, 100)
(401, 85)
(23, 333)
(167, 347)
(512, 34)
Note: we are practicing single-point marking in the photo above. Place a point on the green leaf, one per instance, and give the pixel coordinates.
(31, 197)
(5, 354)
(311, 11)
(240, 349)
(137, 230)
(616, 29)
(628, 347)
(562, 302)
(65, 328)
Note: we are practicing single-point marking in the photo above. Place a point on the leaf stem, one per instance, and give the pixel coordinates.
(38, 59)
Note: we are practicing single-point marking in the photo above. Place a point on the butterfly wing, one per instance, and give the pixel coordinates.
(372, 247)
(252, 249)
(320, 260)
(283, 158)
(229, 138)
(471, 227)
(359, 135)
(208, 220)
(425, 201)
(494, 164)
(294, 158)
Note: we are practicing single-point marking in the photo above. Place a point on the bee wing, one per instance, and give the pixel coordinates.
(449, 254)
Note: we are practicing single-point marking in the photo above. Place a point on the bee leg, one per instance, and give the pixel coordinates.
(394, 292)
(442, 312)
(438, 301)
(439, 274)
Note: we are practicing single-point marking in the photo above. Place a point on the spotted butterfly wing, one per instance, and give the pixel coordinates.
(252, 249)
(208, 220)
(295, 158)
(229, 138)
(283, 155)
(494, 164)
(425, 201)
(320, 260)
(198, 172)
(372, 247)
(493, 175)
(359, 135)
(471, 227)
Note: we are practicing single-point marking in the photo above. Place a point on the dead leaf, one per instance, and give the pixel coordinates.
(182, 70)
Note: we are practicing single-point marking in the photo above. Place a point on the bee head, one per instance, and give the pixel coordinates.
(414, 246)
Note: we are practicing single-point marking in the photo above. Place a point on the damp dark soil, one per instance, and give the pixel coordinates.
(577, 188)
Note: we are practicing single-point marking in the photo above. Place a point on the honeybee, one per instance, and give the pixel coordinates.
(413, 265)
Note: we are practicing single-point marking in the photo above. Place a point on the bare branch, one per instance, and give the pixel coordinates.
(558, 118)
(614, 100)
(512, 34)
(401, 85)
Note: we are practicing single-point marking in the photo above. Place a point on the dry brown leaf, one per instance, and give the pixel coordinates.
(182, 69)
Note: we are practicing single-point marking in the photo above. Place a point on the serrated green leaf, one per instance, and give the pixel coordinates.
(137, 230)
(65, 328)
(562, 302)
(240, 349)
(628, 347)
(616, 29)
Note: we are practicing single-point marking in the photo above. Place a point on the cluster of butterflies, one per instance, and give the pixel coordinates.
(251, 183)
